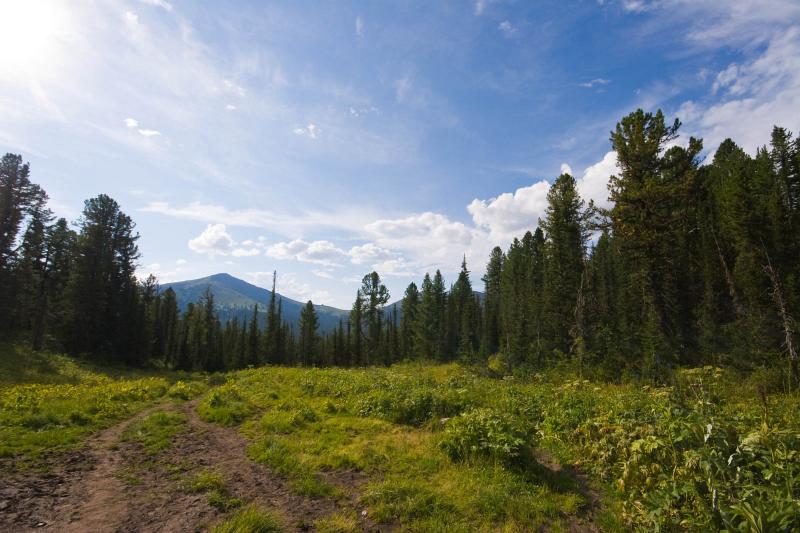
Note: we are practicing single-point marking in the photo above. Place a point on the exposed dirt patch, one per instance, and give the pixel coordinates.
(586, 520)
(115, 486)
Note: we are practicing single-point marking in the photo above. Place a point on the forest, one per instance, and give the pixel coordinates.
(696, 263)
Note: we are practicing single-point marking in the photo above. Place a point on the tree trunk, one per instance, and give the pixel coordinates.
(787, 323)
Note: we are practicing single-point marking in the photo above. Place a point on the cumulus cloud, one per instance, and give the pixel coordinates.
(593, 185)
(511, 214)
(214, 240)
(566, 169)
(131, 123)
(369, 253)
(425, 242)
(318, 252)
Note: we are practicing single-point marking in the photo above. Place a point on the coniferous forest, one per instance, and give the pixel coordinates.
(696, 263)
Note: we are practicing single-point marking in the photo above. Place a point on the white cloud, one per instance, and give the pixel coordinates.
(763, 92)
(158, 3)
(214, 240)
(507, 28)
(311, 131)
(359, 26)
(427, 241)
(290, 286)
(350, 220)
(131, 18)
(230, 107)
(480, 6)
(155, 269)
(636, 6)
(509, 215)
(325, 274)
(369, 253)
(133, 124)
(180, 262)
(234, 88)
(245, 252)
(318, 252)
(595, 82)
(566, 169)
(594, 183)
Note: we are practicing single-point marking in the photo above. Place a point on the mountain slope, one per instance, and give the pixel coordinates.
(235, 298)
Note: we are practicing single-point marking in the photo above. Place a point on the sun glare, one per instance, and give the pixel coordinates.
(29, 36)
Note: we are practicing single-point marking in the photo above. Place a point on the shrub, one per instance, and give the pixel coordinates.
(483, 433)
(184, 391)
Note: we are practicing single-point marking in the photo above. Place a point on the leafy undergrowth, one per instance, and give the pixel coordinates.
(156, 431)
(51, 402)
(443, 448)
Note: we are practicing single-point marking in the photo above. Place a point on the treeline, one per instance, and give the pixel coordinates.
(693, 264)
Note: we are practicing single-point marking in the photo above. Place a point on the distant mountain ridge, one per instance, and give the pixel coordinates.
(234, 297)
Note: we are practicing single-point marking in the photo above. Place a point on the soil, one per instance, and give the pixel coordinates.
(114, 486)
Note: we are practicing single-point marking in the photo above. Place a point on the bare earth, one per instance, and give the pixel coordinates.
(113, 486)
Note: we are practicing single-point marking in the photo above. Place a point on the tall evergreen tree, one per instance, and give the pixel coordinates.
(308, 342)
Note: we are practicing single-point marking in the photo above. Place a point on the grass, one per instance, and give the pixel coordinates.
(213, 486)
(425, 447)
(51, 402)
(251, 519)
(444, 447)
(156, 431)
(340, 522)
(387, 424)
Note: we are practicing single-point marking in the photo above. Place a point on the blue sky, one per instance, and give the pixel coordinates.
(327, 139)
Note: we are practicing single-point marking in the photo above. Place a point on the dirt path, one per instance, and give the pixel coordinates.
(114, 486)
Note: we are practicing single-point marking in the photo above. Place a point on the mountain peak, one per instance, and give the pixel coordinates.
(235, 297)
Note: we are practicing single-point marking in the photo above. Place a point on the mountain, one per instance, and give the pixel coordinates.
(235, 298)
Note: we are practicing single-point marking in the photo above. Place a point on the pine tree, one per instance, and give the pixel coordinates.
(490, 338)
(566, 230)
(409, 322)
(103, 287)
(375, 295)
(307, 343)
(356, 332)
